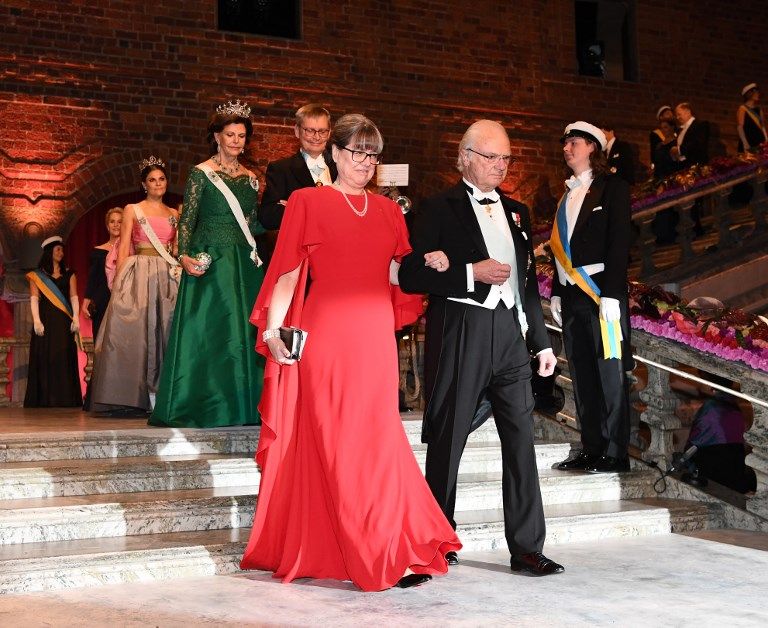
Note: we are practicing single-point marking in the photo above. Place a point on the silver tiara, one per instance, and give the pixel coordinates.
(152, 161)
(234, 108)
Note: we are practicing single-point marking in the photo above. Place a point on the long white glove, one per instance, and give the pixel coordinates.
(609, 309)
(75, 326)
(34, 305)
(556, 309)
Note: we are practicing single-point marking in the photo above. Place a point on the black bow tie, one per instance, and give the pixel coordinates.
(483, 201)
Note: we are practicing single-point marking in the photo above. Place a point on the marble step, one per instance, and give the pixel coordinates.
(87, 563)
(52, 519)
(124, 475)
(485, 457)
(20, 480)
(34, 520)
(483, 491)
(98, 444)
(590, 521)
(132, 443)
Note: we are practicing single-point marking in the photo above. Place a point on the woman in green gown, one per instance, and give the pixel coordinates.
(212, 376)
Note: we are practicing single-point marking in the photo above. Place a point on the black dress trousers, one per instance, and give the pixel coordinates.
(482, 352)
(600, 386)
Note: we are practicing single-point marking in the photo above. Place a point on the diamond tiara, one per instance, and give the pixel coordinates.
(234, 108)
(152, 161)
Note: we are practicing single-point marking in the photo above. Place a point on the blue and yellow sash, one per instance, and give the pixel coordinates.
(561, 248)
(51, 292)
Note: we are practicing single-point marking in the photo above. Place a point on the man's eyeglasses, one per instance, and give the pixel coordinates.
(507, 160)
(359, 156)
(315, 132)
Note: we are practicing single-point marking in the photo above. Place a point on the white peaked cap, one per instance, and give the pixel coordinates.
(748, 88)
(587, 131)
(51, 240)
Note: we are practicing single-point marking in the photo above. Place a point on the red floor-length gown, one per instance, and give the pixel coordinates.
(341, 494)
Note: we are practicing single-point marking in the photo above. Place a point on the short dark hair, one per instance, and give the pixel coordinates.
(355, 127)
(217, 123)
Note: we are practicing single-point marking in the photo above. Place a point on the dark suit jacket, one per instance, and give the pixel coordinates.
(447, 222)
(620, 157)
(695, 146)
(283, 177)
(603, 236)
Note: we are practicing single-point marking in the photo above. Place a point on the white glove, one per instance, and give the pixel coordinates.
(34, 305)
(556, 309)
(609, 309)
(75, 326)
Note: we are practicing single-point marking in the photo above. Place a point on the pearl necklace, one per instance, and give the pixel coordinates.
(352, 207)
(230, 170)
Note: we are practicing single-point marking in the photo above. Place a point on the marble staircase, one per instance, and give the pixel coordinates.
(84, 508)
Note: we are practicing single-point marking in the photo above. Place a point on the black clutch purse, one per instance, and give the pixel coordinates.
(294, 340)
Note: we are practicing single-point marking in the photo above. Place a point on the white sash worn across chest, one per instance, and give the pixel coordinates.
(146, 227)
(234, 206)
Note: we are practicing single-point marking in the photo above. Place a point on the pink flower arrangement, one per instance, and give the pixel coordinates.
(731, 334)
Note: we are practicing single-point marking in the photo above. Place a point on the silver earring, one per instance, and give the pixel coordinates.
(145, 190)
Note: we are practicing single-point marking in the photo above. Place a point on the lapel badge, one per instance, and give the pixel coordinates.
(516, 218)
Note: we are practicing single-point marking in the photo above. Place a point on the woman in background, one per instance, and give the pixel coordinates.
(132, 340)
(97, 290)
(53, 379)
(212, 376)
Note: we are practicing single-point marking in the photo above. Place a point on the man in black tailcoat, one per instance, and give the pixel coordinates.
(619, 155)
(590, 301)
(484, 316)
(692, 148)
(306, 168)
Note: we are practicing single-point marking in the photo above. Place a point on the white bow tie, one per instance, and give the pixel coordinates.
(316, 164)
(573, 182)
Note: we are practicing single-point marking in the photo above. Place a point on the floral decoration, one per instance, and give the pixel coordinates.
(729, 334)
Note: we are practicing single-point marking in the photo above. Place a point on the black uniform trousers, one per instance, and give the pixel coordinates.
(600, 386)
(482, 352)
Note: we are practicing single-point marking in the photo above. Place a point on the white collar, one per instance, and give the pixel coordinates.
(687, 124)
(583, 179)
(313, 161)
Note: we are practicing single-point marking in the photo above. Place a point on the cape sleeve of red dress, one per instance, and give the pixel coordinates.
(407, 307)
(299, 234)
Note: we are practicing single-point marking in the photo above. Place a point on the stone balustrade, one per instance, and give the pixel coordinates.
(714, 199)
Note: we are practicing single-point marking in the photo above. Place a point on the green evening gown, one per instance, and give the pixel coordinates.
(211, 375)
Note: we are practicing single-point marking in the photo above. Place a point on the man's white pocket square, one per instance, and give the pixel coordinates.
(598, 208)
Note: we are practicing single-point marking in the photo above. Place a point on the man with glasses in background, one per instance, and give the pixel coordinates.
(484, 317)
(306, 168)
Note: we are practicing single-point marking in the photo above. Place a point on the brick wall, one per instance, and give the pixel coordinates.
(89, 88)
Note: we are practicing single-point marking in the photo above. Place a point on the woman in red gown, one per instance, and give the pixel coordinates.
(341, 494)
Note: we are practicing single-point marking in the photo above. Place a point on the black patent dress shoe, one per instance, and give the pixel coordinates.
(413, 580)
(608, 464)
(577, 463)
(452, 558)
(535, 564)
